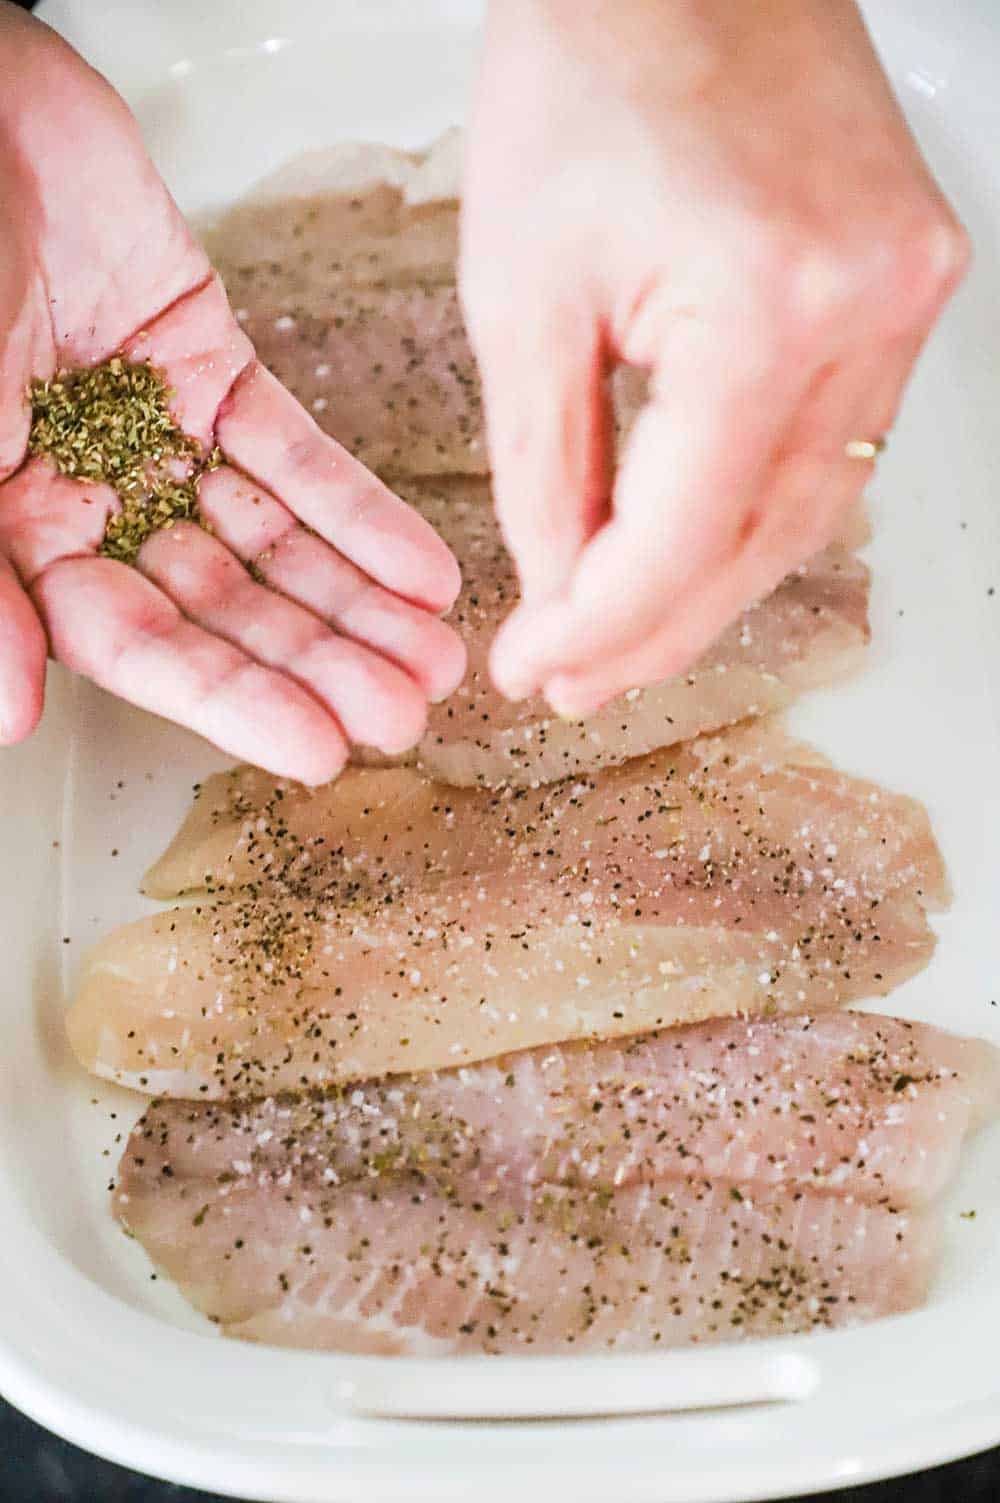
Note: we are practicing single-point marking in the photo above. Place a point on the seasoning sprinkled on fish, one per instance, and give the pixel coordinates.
(386, 924)
(702, 1184)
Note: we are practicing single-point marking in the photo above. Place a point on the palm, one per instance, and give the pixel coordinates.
(338, 642)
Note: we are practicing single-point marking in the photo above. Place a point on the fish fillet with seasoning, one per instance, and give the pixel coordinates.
(703, 1184)
(811, 631)
(843, 1102)
(362, 216)
(385, 924)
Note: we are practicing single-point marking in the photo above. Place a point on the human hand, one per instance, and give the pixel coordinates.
(727, 195)
(336, 638)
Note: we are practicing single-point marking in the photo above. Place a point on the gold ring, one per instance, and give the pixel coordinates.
(864, 448)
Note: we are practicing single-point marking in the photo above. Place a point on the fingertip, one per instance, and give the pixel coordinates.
(571, 699)
(423, 568)
(321, 764)
(513, 663)
(443, 581)
(452, 581)
(23, 653)
(301, 741)
(508, 677)
(403, 723)
(282, 728)
(19, 715)
(448, 669)
(511, 679)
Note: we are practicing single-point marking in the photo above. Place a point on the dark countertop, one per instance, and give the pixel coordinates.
(35, 1467)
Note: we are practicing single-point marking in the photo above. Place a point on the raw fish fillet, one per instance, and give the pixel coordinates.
(391, 1266)
(390, 375)
(812, 630)
(395, 827)
(315, 1242)
(361, 215)
(847, 1103)
(384, 925)
(701, 1184)
(387, 372)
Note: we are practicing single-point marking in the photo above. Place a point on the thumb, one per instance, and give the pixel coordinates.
(25, 351)
(23, 646)
(548, 421)
(23, 651)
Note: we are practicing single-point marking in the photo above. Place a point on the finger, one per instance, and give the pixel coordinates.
(816, 481)
(376, 703)
(812, 488)
(549, 430)
(45, 516)
(290, 558)
(106, 621)
(22, 660)
(25, 351)
(265, 432)
(696, 619)
(201, 349)
(692, 468)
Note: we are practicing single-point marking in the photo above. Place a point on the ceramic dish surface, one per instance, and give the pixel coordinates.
(91, 1345)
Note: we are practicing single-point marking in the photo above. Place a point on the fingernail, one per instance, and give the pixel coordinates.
(517, 660)
(510, 678)
(443, 695)
(571, 701)
(454, 680)
(512, 688)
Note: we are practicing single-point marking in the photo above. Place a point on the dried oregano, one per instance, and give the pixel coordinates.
(112, 423)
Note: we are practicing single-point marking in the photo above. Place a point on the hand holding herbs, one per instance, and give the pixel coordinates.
(172, 523)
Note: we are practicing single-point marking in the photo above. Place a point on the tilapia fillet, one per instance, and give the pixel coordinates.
(349, 297)
(395, 827)
(703, 1184)
(812, 630)
(846, 1103)
(384, 925)
(390, 375)
(387, 372)
(400, 1269)
(357, 215)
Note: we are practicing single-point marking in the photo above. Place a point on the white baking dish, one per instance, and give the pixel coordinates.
(89, 1344)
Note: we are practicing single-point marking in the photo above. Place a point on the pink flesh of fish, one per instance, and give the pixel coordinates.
(848, 1103)
(394, 827)
(419, 930)
(289, 253)
(389, 374)
(398, 1268)
(738, 1180)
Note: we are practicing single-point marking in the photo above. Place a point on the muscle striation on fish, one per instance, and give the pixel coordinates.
(384, 924)
(702, 1184)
